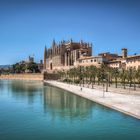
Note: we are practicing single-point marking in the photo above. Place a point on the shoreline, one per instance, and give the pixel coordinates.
(26, 77)
(124, 103)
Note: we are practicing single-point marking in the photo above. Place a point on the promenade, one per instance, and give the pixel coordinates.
(126, 103)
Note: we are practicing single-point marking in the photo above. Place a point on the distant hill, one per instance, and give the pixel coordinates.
(4, 66)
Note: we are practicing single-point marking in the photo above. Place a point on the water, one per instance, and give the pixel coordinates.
(31, 111)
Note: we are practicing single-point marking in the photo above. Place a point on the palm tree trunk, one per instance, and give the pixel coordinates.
(107, 86)
(134, 84)
(139, 84)
(86, 79)
(92, 82)
(98, 81)
(116, 82)
(83, 81)
(109, 81)
(124, 84)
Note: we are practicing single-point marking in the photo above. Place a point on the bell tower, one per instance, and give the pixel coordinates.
(124, 52)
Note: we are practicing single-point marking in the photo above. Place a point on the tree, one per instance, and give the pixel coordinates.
(138, 76)
(98, 74)
(123, 77)
(130, 76)
(116, 75)
(134, 74)
(16, 68)
(93, 73)
(32, 67)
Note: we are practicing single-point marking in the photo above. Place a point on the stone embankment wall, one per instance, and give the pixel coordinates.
(35, 77)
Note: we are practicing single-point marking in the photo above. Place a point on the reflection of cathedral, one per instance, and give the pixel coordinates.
(61, 103)
(65, 54)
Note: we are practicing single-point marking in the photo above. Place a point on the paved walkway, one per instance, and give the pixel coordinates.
(128, 104)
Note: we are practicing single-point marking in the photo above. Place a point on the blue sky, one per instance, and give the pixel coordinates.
(27, 25)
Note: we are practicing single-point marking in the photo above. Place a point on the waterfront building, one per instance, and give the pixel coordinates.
(65, 54)
(88, 61)
(125, 61)
(133, 61)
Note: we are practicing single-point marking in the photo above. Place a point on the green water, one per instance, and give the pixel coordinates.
(31, 111)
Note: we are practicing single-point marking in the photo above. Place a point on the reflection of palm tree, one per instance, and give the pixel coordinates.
(63, 104)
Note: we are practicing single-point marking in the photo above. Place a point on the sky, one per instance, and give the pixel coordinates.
(26, 26)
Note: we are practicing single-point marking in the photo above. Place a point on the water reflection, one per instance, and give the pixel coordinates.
(1, 85)
(56, 114)
(64, 104)
(55, 101)
(25, 86)
(29, 90)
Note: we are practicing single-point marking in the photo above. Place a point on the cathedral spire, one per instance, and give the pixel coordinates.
(45, 57)
(53, 44)
(71, 40)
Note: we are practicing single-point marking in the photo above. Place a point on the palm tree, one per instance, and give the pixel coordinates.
(59, 73)
(98, 74)
(138, 76)
(123, 77)
(70, 72)
(93, 73)
(79, 74)
(83, 71)
(129, 76)
(116, 75)
(86, 73)
(105, 75)
(134, 74)
(110, 75)
(73, 73)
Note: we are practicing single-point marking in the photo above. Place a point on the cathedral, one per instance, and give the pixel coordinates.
(65, 54)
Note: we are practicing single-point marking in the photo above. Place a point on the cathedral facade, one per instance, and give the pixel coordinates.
(65, 54)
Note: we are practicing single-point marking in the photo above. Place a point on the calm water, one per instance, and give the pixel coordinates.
(31, 111)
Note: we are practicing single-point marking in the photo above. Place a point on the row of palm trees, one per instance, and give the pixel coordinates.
(92, 75)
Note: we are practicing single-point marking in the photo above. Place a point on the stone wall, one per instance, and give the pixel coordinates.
(56, 61)
(35, 77)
